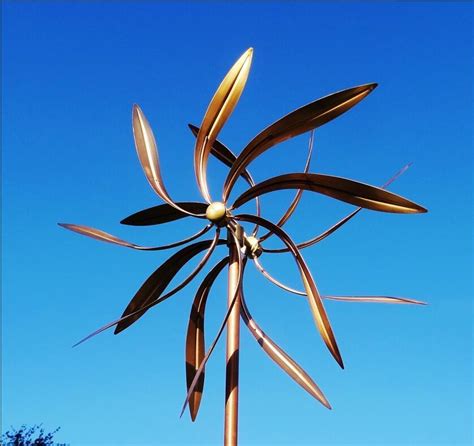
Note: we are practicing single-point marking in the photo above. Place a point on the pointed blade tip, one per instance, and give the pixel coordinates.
(339, 360)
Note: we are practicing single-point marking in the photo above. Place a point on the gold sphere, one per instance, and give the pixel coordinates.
(216, 211)
(253, 246)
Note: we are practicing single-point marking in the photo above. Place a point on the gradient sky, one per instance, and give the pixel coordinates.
(71, 72)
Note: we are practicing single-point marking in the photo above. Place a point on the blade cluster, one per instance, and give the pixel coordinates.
(154, 289)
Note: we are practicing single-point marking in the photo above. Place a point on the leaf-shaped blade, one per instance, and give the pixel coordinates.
(200, 370)
(147, 151)
(376, 299)
(159, 280)
(368, 299)
(220, 108)
(103, 236)
(109, 238)
(195, 346)
(164, 213)
(281, 358)
(314, 299)
(353, 192)
(306, 118)
(340, 223)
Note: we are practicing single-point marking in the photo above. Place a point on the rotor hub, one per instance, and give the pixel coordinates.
(216, 212)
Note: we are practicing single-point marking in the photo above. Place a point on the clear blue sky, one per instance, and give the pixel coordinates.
(71, 72)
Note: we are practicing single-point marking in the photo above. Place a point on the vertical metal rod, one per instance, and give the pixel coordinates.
(232, 353)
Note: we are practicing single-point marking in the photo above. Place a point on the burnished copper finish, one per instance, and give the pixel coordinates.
(164, 213)
(340, 223)
(242, 247)
(297, 122)
(280, 357)
(369, 299)
(352, 192)
(195, 348)
(232, 348)
(220, 108)
(314, 299)
(106, 237)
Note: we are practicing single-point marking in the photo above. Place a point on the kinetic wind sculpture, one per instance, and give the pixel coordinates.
(221, 214)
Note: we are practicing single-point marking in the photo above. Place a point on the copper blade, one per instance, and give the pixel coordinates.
(276, 282)
(220, 108)
(341, 222)
(147, 151)
(164, 213)
(376, 299)
(280, 357)
(227, 157)
(297, 122)
(163, 297)
(151, 290)
(369, 299)
(103, 236)
(349, 191)
(314, 299)
(319, 237)
(291, 209)
(200, 370)
(195, 342)
(109, 238)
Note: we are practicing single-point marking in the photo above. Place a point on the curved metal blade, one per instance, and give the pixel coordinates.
(369, 299)
(291, 209)
(109, 238)
(340, 223)
(220, 108)
(280, 357)
(147, 151)
(165, 213)
(353, 192)
(299, 121)
(376, 299)
(140, 311)
(200, 370)
(314, 299)
(195, 344)
(159, 280)
(276, 282)
(227, 157)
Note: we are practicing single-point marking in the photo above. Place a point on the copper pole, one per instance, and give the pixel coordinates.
(232, 353)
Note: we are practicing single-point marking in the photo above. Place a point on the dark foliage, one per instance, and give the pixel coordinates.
(29, 436)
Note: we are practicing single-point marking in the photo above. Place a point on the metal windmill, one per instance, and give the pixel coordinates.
(222, 215)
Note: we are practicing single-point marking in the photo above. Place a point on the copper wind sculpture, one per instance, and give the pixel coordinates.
(221, 215)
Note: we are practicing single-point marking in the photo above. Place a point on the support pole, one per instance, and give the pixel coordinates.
(232, 353)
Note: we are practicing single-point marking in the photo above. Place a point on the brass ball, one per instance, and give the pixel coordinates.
(253, 245)
(216, 211)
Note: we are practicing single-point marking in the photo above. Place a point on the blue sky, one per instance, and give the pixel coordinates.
(71, 72)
